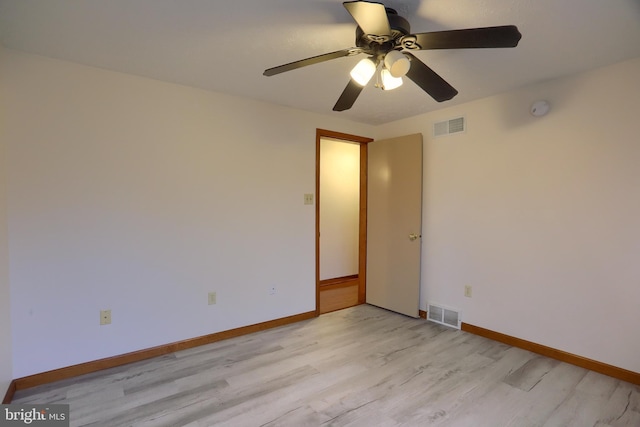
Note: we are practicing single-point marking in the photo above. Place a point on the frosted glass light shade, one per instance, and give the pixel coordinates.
(388, 81)
(397, 64)
(363, 71)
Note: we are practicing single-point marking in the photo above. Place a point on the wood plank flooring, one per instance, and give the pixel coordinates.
(338, 298)
(362, 366)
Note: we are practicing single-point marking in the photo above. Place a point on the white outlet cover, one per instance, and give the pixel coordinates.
(105, 317)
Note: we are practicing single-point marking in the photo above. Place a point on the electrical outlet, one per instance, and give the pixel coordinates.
(105, 317)
(212, 298)
(308, 199)
(272, 290)
(467, 291)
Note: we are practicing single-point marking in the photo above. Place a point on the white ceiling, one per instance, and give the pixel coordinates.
(225, 46)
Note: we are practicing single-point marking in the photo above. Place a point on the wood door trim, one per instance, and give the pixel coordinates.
(324, 133)
(362, 232)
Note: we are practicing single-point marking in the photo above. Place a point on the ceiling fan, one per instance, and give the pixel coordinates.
(385, 37)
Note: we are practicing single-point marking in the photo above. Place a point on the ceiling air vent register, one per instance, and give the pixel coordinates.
(451, 126)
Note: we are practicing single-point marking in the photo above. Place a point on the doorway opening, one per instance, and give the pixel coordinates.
(341, 220)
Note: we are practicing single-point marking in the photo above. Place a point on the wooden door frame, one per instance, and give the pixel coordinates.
(362, 227)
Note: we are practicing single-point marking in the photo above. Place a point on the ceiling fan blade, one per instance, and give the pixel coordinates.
(349, 96)
(310, 61)
(487, 37)
(370, 16)
(429, 80)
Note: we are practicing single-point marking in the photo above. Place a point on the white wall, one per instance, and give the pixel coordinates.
(140, 196)
(540, 215)
(339, 208)
(6, 357)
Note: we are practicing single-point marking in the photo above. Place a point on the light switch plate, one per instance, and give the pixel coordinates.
(468, 291)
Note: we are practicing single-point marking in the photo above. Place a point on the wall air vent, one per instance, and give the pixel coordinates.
(449, 127)
(444, 315)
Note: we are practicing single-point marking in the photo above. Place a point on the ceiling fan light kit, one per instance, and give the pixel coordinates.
(389, 82)
(396, 63)
(363, 71)
(386, 38)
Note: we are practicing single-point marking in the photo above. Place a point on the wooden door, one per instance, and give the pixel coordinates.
(394, 223)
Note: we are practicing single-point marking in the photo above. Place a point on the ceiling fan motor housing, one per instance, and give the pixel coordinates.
(382, 43)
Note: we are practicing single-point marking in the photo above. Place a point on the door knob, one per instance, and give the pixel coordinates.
(413, 236)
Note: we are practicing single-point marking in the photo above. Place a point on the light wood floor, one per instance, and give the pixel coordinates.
(362, 366)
